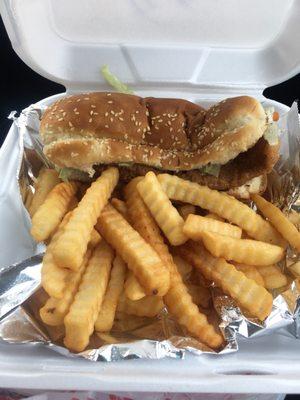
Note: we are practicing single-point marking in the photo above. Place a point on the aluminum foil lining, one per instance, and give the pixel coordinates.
(21, 295)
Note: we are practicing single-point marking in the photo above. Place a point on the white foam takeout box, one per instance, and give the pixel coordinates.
(199, 50)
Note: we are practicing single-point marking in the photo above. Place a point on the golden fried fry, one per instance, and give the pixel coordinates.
(70, 250)
(138, 255)
(47, 179)
(254, 298)
(280, 222)
(148, 306)
(183, 267)
(177, 299)
(195, 225)
(55, 310)
(125, 322)
(133, 289)
(272, 276)
(180, 304)
(251, 272)
(120, 206)
(49, 215)
(221, 204)
(214, 216)
(245, 251)
(162, 210)
(200, 294)
(108, 308)
(186, 210)
(81, 318)
(53, 277)
(107, 338)
(95, 238)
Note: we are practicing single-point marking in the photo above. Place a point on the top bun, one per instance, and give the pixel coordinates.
(100, 128)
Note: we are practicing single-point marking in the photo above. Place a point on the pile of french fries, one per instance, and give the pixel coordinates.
(135, 256)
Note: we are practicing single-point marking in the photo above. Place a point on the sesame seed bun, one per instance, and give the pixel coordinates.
(84, 130)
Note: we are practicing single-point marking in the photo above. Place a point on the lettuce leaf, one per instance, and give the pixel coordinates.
(114, 81)
(211, 169)
(65, 174)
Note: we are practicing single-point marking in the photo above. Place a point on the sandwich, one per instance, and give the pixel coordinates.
(231, 146)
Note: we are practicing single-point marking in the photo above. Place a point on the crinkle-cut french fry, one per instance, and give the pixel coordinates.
(186, 210)
(200, 294)
(125, 322)
(177, 299)
(273, 277)
(107, 338)
(195, 225)
(280, 222)
(180, 304)
(106, 316)
(183, 267)
(46, 180)
(81, 318)
(161, 208)
(254, 298)
(245, 251)
(70, 250)
(221, 204)
(49, 215)
(251, 272)
(214, 216)
(120, 206)
(136, 211)
(55, 310)
(54, 277)
(135, 251)
(139, 214)
(95, 238)
(148, 306)
(133, 289)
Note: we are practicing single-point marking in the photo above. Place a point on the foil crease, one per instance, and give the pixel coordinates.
(21, 295)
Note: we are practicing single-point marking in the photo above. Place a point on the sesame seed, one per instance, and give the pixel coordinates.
(86, 98)
(93, 106)
(70, 124)
(121, 119)
(110, 102)
(108, 94)
(78, 100)
(106, 114)
(111, 119)
(91, 112)
(106, 126)
(91, 120)
(160, 120)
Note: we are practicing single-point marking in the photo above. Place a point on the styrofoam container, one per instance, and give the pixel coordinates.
(201, 50)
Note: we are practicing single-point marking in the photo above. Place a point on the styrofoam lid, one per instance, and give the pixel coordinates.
(157, 42)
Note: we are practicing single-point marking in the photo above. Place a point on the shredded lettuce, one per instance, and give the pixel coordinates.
(114, 81)
(65, 174)
(271, 134)
(211, 169)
